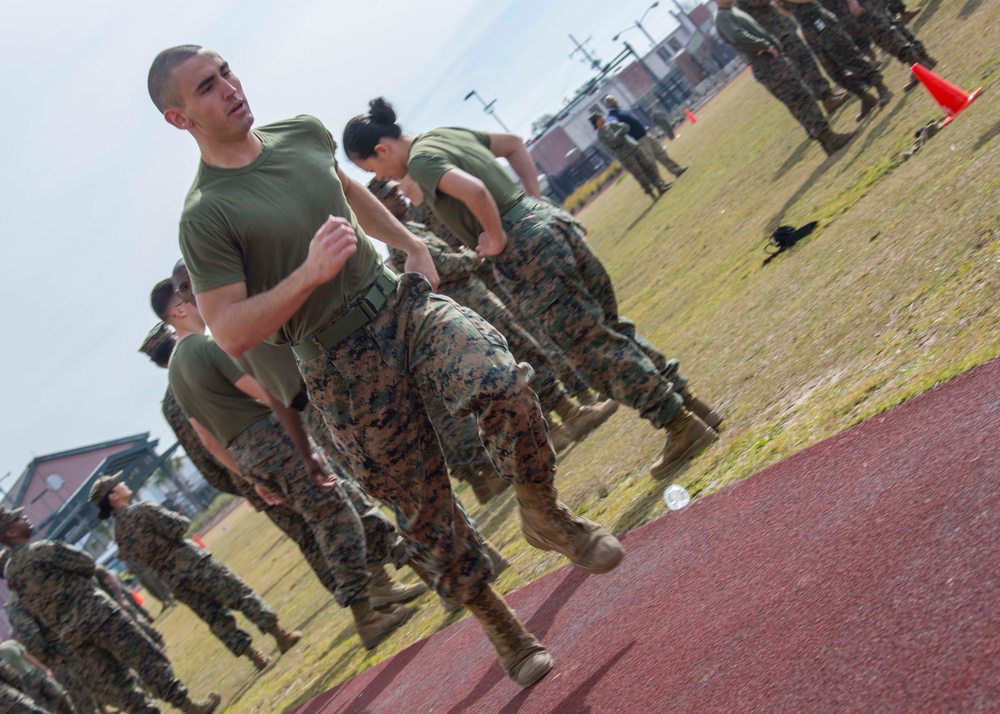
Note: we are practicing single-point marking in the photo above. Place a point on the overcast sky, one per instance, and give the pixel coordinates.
(93, 179)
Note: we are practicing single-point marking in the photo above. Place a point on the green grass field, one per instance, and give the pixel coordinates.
(896, 291)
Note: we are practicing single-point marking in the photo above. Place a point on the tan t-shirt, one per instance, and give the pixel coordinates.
(254, 224)
(203, 379)
(274, 367)
(438, 151)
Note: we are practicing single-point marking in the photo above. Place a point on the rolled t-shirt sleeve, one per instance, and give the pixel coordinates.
(427, 169)
(226, 365)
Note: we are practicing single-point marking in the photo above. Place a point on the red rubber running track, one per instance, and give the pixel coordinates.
(861, 574)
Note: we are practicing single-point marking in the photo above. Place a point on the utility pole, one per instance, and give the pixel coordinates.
(594, 62)
(488, 108)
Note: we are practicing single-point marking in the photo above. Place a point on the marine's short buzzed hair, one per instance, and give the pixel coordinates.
(160, 297)
(160, 82)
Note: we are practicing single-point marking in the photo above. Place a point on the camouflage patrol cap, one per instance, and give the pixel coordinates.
(102, 487)
(382, 187)
(9, 516)
(157, 337)
(594, 116)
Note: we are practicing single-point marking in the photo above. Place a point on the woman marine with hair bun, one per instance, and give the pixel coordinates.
(542, 260)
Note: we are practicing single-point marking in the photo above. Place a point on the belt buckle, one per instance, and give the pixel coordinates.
(368, 309)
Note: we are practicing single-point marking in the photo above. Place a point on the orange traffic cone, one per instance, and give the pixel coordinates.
(690, 117)
(951, 98)
(199, 541)
(135, 596)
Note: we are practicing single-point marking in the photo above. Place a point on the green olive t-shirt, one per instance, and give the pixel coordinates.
(203, 379)
(274, 367)
(436, 152)
(254, 224)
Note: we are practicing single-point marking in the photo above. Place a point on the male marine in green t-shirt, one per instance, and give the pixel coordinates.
(275, 252)
(252, 433)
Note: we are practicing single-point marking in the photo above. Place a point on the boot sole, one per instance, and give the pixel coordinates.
(532, 668)
(696, 448)
(373, 642)
(411, 593)
(584, 432)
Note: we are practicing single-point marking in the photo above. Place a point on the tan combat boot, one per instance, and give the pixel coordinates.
(580, 421)
(259, 659)
(548, 524)
(586, 397)
(559, 435)
(833, 142)
(521, 655)
(884, 93)
(374, 626)
(687, 436)
(383, 590)
(834, 101)
(868, 102)
(286, 639)
(500, 563)
(202, 706)
(700, 408)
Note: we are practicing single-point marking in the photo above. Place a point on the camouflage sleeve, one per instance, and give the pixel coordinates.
(451, 264)
(614, 134)
(167, 523)
(29, 633)
(64, 557)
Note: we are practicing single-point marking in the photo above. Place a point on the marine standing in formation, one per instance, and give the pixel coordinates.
(841, 57)
(159, 345)
(614, 135)
(638, 131)
(56, 584)
(783, 30)
(776, 73)
(154, 536)
(274, 367)
(255, 434)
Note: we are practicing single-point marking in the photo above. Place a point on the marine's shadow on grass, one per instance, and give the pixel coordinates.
(793, 158)
(499, 512)
(641, 510)
(639, 218)
(778, 218)
(987, 136)
(876, 131)
(970, 7)
(927, 11)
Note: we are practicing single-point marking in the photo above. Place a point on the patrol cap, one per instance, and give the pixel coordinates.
(8, 517)
(382, 187)
(157, 337)
(594, 116)
(102, 487)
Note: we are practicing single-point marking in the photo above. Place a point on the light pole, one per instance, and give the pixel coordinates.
(488, 108)
(638, 23)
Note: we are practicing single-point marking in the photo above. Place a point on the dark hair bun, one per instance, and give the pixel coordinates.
(381, 111)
